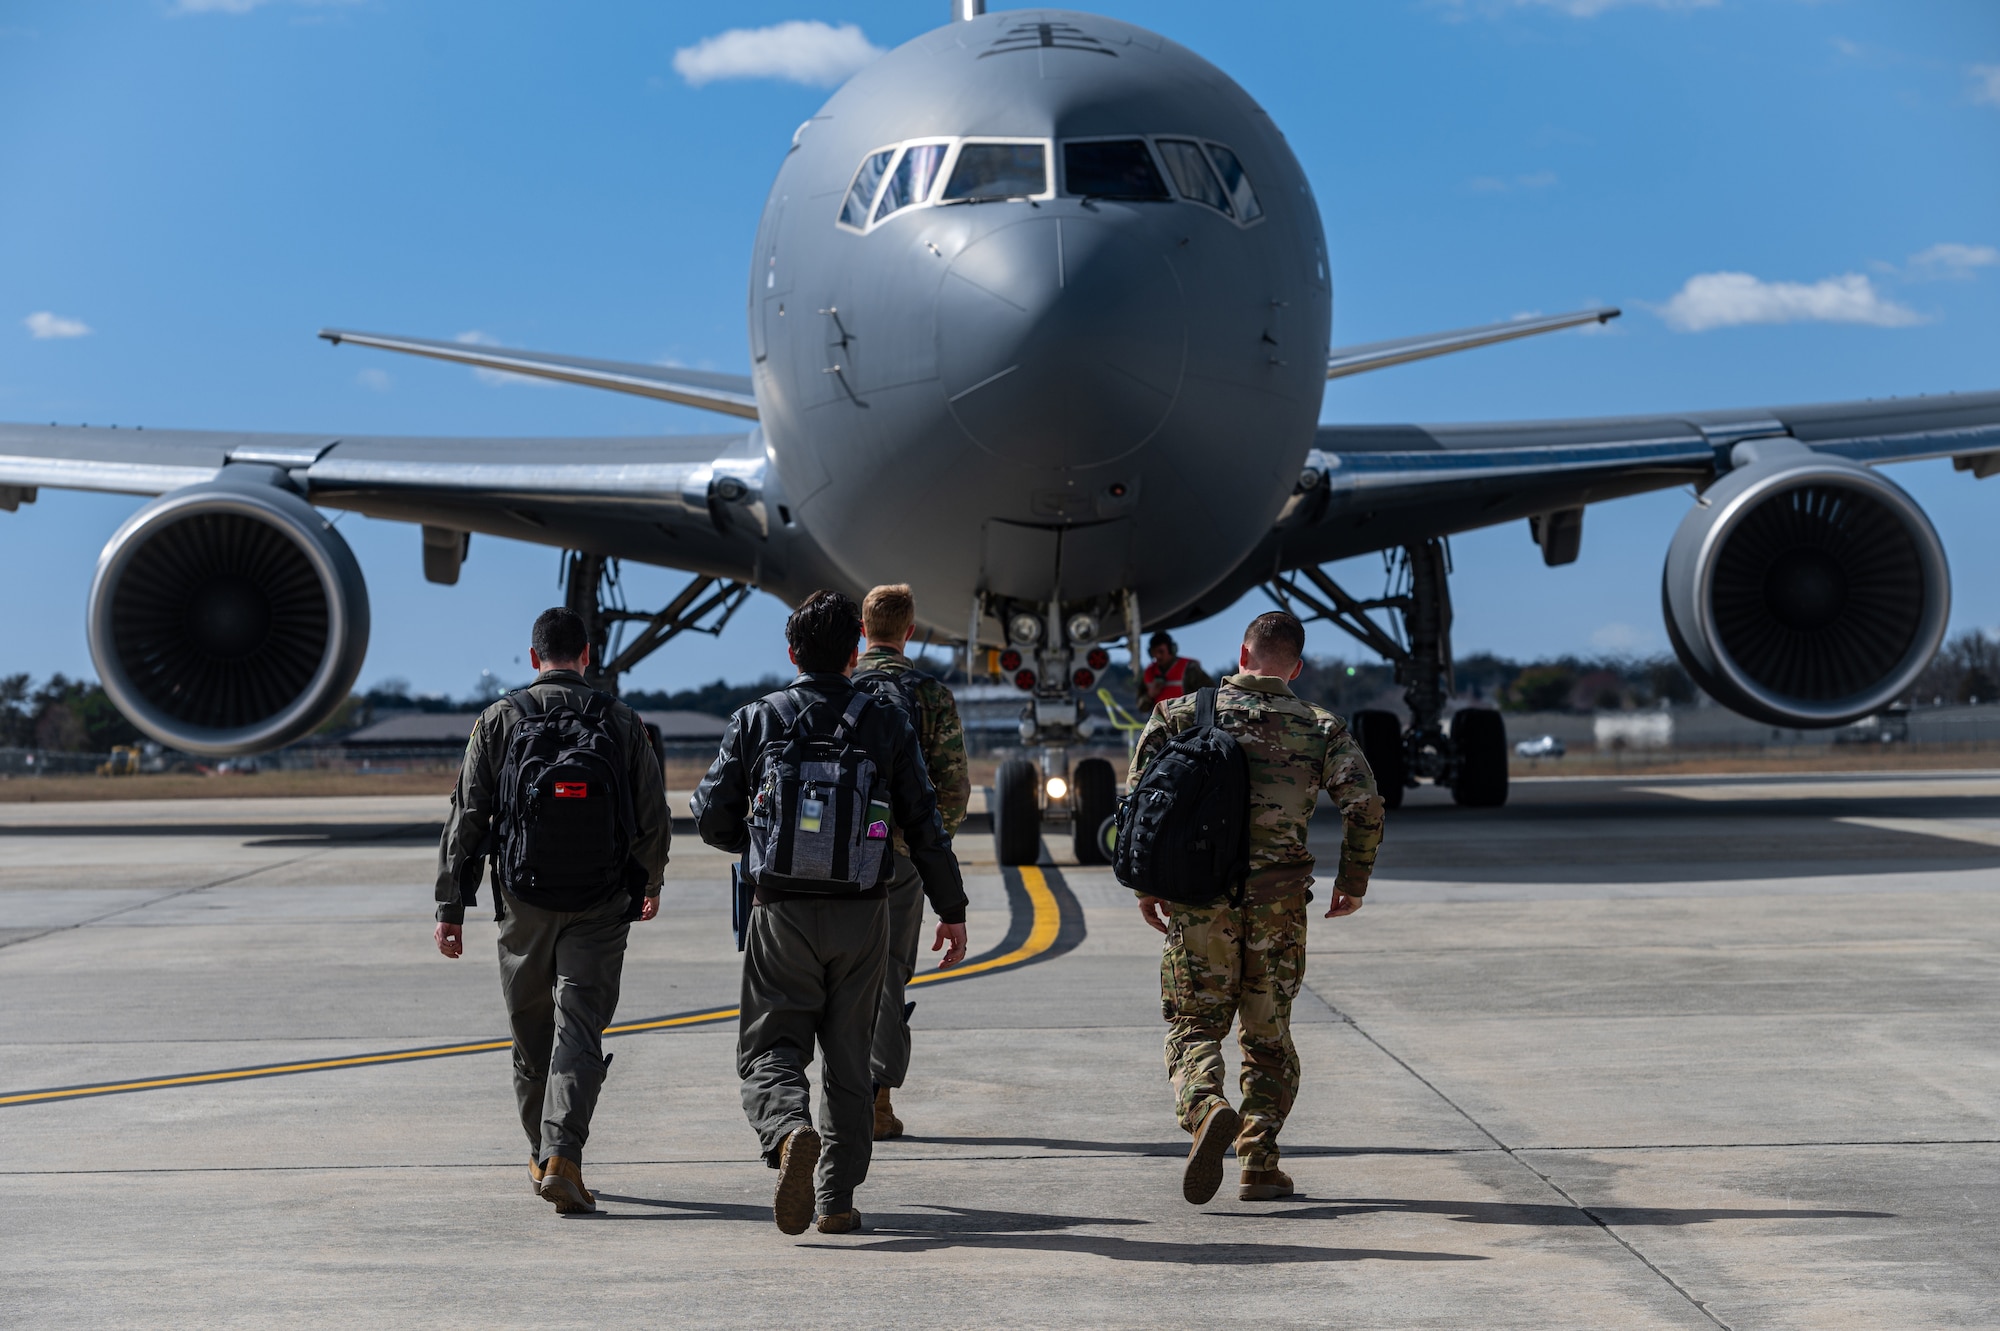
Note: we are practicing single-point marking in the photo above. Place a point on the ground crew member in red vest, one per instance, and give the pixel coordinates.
(1171, 675)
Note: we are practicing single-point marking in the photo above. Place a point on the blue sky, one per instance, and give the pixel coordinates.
(191, 189)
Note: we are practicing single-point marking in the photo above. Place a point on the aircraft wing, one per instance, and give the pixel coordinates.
(696, 502)
(730, 394)
(1369, 487)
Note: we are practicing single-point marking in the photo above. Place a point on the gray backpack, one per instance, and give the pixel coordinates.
(818, 822)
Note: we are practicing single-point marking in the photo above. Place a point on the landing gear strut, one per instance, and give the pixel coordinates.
(1054, 654)
(591, 589)
(1470, 758)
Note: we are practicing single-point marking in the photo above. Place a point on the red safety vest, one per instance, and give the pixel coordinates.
(1174, 672)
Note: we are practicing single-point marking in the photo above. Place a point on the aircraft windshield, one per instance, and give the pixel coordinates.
(998, 171)
(1112, 169)
(1237, 182)
(859, 195)
(911, 183)
(1191, 173)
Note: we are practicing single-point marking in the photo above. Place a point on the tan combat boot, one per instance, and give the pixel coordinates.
(1262, 1185)
(562, 1183)
(844, 1222)
(887, 1125)
(792, 1206)
(535, 1176)
(1212, 1137)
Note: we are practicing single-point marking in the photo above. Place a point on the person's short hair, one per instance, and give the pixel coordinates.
(559, 635)
(1163, 639)
(1276, 635)
(822, 632)
(887, 612)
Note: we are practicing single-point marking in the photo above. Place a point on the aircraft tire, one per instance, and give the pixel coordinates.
(1017, 813)
(1480, 736)
(1096, 795)
(1380, 735)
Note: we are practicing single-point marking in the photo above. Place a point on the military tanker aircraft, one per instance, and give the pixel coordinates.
(1039, 322)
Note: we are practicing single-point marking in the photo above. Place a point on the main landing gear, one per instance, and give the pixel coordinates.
(1470, 757)
(590, 587)
(1055, 654)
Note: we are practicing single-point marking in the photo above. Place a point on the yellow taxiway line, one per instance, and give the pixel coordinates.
(1047, 923)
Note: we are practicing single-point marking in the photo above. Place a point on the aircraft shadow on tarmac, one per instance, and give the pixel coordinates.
(1619, 835)
(938, 1228)
(1542, 1215)
(1168, 1148)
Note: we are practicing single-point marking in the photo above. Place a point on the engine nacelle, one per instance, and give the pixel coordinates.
(229, 617)
(1805, 590)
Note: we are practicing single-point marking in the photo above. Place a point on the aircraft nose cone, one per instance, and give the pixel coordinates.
(1061, 341)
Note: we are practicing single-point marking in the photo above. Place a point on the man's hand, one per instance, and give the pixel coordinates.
(649, 908)
(1154, 911)
(450, 939)
(1342, 904)
(954, 934)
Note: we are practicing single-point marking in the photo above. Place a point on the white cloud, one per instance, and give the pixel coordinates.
(1620, 639)
(216, 6)
(498, 378)
(1986, 84)
(1496, 185)
(799, 51)
(43, 324)
(1723, 300)
(1948, 259)
(1577, 8)
(375, 381)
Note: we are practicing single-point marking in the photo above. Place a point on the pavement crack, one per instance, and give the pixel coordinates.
(129, 907)
(1512, 1154)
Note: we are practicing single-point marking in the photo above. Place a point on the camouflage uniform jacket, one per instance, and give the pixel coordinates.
(1295, 750)
(463, 848)
(939, 735)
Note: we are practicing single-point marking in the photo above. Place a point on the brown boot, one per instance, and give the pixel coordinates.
(535, 1176)
(887, 1125)
(562, 1183)
(1262, 1185)
(844, 1222)
(792, 1207)
(1212, 1137)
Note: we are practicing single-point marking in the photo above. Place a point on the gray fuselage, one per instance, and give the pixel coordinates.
(1048, 396)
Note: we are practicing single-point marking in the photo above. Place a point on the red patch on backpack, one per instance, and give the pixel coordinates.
(572, 790)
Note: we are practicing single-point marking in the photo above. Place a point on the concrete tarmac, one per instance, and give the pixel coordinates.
(1628, 1053)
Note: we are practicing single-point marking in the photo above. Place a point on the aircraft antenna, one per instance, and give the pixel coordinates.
(964, 11)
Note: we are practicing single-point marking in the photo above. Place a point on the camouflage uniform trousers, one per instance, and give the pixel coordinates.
(1243, 963)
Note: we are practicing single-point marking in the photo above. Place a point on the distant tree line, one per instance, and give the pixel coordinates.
(64, 715)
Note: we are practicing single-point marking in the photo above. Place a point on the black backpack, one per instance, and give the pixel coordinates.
(818, 822)
(898, 688)
(563, 825)
(1184, 831)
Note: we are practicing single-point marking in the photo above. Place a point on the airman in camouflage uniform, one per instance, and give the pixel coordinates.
(888, 616)
(1246, 959)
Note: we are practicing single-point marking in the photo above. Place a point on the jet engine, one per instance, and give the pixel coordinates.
(1805, 590)
(228, 617)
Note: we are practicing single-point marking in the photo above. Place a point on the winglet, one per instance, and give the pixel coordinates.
(1343, 361)
(730, 394)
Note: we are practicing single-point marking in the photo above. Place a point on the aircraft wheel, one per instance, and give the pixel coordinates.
(1480, 736)
(1380, 735)
(1096, 795)
(1017, 813)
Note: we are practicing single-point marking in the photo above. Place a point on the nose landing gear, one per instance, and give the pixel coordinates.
(1469, 757)
(1054, 654)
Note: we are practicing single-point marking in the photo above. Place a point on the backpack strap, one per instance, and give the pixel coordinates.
(853, 712)
(1204, 708)
(520, 700)
(782, 703)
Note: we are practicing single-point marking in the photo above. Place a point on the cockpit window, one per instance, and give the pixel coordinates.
(1112, 169)
(1237, 182)
(911, 181)
(997, 171)
(1191, 173)
(861, 193)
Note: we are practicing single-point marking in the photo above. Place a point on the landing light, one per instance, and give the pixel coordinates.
(1082, 628)
(1024, 628)
(1058, 788)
